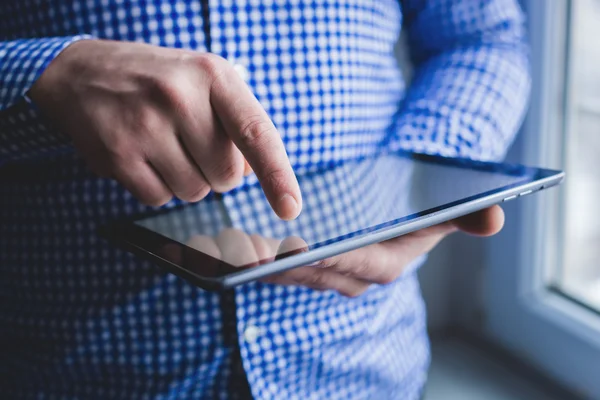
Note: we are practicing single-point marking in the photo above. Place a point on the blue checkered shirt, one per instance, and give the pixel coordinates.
(81, 319)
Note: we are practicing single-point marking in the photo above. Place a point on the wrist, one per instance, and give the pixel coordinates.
(44, 90)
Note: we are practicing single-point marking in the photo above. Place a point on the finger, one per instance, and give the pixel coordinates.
(321, 279)
(439, 230)
(177, 171)
(253, 132)
(266, 248)
(205, 244)
(486, 222)
(236, 248)
(369, 264)
(220, 161)
(384, 262)
(292, 245)
(143, 183)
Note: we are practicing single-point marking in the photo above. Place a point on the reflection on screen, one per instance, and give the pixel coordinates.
(340, 202)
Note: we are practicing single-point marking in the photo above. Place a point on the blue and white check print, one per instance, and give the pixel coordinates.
(81, 319)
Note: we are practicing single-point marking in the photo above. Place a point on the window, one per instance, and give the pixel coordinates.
(579, 275)
(542, 275)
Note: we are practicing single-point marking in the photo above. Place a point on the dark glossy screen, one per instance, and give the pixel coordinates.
(340, 202)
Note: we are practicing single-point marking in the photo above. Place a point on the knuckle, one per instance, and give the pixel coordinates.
(213, 65)
(389, 269)
(227, 176)
(254, 131)
(315, 279)
(146, 195)
(147, 121)
(275, 179)
(167, 90)
(119, 152)
(354, 293)
(185, 181)
(159, 84)
(361, 270)
(328, 263)
(195, 193)
(155, 200)
(352, 265)
(336, 265)
(145, 192)
(386, 278)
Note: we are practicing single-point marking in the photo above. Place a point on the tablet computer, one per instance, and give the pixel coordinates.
(227, 240)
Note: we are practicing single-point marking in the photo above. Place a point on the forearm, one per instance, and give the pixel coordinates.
(467, 102)
(471, 84)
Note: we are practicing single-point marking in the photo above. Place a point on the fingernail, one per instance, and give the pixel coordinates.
(288, 207)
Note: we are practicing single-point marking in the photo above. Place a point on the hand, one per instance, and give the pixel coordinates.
(165, 122)
(352, 273)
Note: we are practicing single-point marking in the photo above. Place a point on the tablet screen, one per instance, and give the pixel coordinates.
(339, 202)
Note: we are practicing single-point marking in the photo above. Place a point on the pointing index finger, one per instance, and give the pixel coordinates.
(253, 132)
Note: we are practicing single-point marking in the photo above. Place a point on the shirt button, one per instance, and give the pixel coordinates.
(251, 333)
(242, 71)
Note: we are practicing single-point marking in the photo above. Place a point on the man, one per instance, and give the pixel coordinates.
(109, 105)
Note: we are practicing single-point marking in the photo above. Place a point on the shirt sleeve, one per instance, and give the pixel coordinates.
(471, 78)
(24, 133)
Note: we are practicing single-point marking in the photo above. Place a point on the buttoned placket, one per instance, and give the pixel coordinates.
(232, 338)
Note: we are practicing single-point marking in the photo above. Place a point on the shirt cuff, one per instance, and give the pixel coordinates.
(25, 134)
(23, 61)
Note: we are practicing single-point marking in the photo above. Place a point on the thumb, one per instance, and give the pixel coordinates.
(486, 222)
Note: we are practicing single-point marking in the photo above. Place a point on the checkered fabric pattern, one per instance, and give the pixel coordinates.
(81, 319)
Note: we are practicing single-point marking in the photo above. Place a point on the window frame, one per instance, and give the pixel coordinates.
(523, 311)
